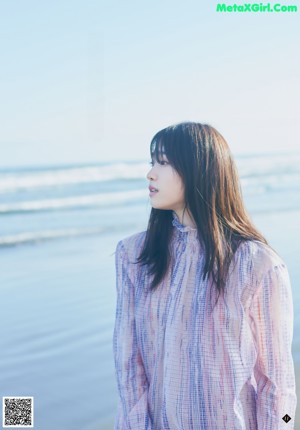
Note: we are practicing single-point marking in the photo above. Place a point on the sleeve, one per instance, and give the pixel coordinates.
(272, 316)
(132, 412)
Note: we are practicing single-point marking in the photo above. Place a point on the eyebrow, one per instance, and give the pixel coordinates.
(160, 155)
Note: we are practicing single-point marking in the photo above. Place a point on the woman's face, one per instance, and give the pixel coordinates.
(169, 184)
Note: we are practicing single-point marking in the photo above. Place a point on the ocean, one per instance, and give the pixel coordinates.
(58, 233)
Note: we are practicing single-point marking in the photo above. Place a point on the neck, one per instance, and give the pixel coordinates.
(185, 218)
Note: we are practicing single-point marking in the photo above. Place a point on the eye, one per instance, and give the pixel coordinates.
(160, 162)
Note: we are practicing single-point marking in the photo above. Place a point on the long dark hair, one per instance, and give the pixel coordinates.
(213, 196)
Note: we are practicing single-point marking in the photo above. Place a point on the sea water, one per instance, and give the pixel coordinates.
(58, 232)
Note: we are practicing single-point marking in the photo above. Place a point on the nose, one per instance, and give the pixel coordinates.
(150, 174)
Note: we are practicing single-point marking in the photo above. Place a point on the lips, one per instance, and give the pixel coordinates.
(152, 188)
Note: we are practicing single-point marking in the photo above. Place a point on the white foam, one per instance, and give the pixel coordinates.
(273, 164)
(27, 181)
(104, 199)
(44, 235)
(256, 165)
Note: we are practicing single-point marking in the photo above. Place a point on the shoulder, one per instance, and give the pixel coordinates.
(253, 261)
(131, 245)
(257, 258)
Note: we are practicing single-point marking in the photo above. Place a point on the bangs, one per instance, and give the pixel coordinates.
(167, 143)
(157, 149)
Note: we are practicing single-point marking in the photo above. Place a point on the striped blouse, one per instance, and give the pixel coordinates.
(182, 365)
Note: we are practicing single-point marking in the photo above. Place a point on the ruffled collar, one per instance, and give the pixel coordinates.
(184, 228)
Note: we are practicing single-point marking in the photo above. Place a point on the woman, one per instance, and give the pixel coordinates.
(204, 316)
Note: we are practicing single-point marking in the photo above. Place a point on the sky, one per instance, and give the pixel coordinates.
(93, 81)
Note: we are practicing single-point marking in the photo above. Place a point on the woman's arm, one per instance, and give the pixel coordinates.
(271, 315)
(132, 383)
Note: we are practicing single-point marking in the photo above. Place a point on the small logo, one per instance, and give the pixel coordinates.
(286, 418)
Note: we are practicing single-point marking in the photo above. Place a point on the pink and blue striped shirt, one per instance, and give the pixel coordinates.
(182, 365)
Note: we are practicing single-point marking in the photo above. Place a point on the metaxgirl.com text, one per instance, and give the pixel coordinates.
(256, 7)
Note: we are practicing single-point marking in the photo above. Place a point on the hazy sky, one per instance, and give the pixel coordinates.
(93, 81)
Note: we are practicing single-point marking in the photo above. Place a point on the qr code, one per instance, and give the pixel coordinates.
(17, 412)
